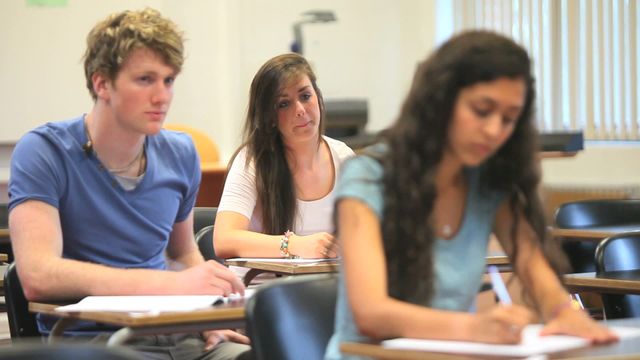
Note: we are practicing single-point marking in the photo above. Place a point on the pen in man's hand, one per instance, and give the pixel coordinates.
(498, 285)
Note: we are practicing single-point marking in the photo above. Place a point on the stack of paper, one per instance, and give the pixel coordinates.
(532, 344)
(149, 303)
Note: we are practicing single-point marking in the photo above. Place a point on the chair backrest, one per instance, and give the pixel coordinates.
(4, 215)
(203, 217)
(207, 149)
(589, 213)
(22, 323)
(204, 238)
(581, 214)
(619, 252)
(292, 318)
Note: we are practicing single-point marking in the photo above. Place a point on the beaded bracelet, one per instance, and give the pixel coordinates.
(573, 304)
(284, 245)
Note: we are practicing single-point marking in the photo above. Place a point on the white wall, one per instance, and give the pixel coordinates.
(370, 52)
(601, 164)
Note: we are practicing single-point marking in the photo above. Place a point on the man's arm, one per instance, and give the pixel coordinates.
(36, 238)
(182, 249)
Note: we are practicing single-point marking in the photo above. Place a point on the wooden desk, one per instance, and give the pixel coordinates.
(4, 232)
(500, 260)
(284, 268)
(625, 349)
(225, 316)
(556, 154)
(3, 269)
(619, 282)
(593, 233)
(211, 184)
(4, 257)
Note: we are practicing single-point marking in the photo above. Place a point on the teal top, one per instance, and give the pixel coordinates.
(459, 262)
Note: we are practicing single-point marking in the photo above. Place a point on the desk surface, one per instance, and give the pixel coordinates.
(621, 282)
(288, 268)
(626, 349)
(233, 311)
(556, 154)
(593, 233)
(497, 259)
(333, 266)
(4, 232)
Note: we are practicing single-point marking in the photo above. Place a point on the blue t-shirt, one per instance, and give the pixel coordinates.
(101, 222)
(458, 262)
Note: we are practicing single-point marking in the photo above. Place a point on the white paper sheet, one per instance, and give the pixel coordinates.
(285, 261)
(149, 303)
(532, 344)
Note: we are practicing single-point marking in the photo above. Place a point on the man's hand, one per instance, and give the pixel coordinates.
(214, 337)
(208, 278)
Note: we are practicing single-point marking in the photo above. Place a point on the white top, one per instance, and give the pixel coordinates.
(240, 194)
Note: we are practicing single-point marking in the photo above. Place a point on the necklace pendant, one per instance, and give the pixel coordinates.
(446, 230)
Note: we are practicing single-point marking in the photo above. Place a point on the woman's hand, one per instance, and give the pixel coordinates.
(500, 325)
(318, 245)
(576, 322)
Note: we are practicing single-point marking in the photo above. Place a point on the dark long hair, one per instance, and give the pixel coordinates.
(262, 139)
(416, 144)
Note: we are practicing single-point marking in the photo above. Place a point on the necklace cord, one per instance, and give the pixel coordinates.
(89, 148)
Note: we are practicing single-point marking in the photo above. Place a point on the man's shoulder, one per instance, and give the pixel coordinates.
(174, 138)
(62, 134)
(174, 148)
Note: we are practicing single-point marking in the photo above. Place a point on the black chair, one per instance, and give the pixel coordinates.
(204, 238)
(619, 252)
(589, 213)
(592, 213)
(5, 242)
(202, 217)
(292, 318)
(33, 351)
(22, 323)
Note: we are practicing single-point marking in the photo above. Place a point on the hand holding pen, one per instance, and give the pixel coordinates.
(498, 285)
(502, 324)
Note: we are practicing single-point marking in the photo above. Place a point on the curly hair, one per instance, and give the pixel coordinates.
(263, 141)
(112, 40)
(416, 143)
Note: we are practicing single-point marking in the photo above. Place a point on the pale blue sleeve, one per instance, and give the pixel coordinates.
(361, 179)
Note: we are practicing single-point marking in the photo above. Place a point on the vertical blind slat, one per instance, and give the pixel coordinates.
(585, 54)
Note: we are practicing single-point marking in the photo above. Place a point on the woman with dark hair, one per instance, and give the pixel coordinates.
(278, 195)
(414, 214)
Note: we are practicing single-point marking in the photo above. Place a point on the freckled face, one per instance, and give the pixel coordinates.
(484, 117)
(298, 111)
